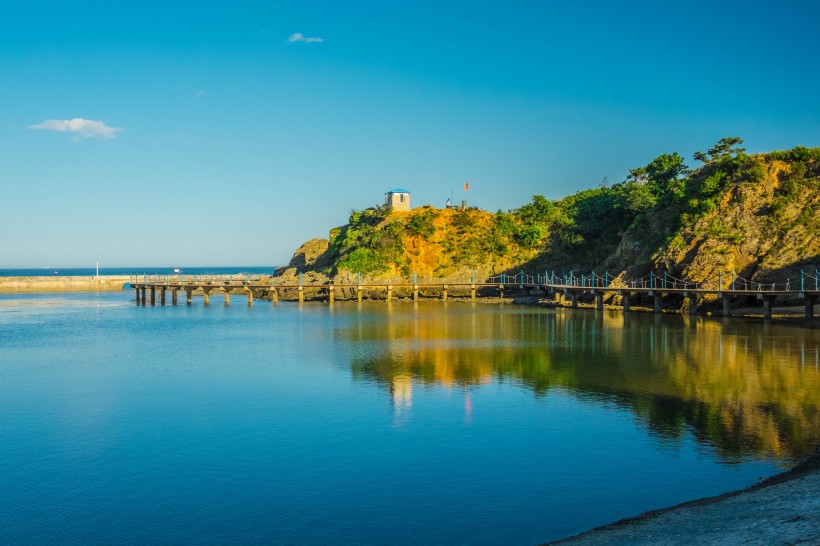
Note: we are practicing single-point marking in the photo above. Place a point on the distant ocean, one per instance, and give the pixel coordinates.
(88, 271)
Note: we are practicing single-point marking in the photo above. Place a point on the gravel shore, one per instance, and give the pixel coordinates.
(784, 509)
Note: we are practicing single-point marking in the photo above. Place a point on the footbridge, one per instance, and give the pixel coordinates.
(566, 288)
(571, 286)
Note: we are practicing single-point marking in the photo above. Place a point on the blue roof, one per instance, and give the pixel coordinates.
(398, 190)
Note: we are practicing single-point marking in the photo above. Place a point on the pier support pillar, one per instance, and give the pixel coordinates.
(189, 296)
(137, 295)
(250, 296)
(359, 293)
(162, 296)
(656, 300)
(573, 299)
(501, 291)
(274, 296)
(693, 305)
(726, 307)
(767, 307)
(206, 295)
(389, 293)
(415, 292)
(153, 296)
(599, 301)
(444, 293)
(472, 292)
(174, 296)
(331, 295)
(809, 307)
(626, 302)
(226, 295)
(301, 294)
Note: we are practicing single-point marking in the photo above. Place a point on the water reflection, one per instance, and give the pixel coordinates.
(742, 387)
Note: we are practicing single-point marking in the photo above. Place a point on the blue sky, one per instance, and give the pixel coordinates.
(228, 132)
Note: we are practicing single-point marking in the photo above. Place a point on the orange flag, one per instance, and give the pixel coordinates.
(466, 185)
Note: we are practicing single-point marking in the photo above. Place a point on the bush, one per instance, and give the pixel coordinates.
(421, 224)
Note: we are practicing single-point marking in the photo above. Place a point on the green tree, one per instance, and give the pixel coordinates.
(725, 147)
(665, 169)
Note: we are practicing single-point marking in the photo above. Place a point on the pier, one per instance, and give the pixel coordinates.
(566, 289)
(75, 283)
(152, 288)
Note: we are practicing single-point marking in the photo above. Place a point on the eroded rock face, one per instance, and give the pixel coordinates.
(744, 236)
(314, 255)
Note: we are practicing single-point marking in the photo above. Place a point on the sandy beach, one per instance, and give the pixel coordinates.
(784, 509)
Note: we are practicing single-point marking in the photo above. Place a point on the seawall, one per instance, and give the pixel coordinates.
(16, 285)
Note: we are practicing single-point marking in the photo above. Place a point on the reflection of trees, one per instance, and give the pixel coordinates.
(744, 388)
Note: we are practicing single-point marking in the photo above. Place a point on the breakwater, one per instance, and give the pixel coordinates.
(86, 283)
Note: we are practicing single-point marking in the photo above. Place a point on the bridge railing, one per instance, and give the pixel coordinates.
(658, 281)
(238, 279)
(654, 280)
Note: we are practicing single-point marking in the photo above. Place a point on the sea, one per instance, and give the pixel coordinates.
(376, 423)
(141, 270)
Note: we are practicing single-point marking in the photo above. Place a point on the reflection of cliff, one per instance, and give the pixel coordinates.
(745, 388)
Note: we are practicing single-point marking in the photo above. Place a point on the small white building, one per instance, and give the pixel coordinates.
(399, 199)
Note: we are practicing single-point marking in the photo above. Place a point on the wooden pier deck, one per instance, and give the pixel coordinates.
(152, 289)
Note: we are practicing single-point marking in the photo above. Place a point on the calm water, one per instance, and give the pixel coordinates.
(375, 424)
(88, 271)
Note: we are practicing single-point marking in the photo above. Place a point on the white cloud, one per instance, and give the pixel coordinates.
(85, 128)
(299, 37)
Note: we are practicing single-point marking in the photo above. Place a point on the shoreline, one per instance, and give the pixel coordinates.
(782, 509)
(793, 315)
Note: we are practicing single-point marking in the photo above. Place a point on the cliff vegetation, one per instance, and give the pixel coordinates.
(754, 215)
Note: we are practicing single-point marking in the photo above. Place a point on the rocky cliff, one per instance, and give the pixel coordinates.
(756, 216)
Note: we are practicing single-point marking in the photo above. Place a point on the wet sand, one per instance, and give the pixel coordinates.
(784, 509)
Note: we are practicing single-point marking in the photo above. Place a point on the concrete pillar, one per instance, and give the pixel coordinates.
(162, 296)
(153, 295)
(174, 296)
(415, 292)
(226, 295)
(206, 294)
(189, 296)
(359, 293)
(693, 304)
(274, 296)
(331, 295)
(656, 300)
(137, 295)
(301, 294)
(501, 291)
(626, 303)
(573, 298)
(767, 307)
(250, 297)
(726, 307)
(599, 301)
(472, 292)
(444, 293)
(389, 293)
